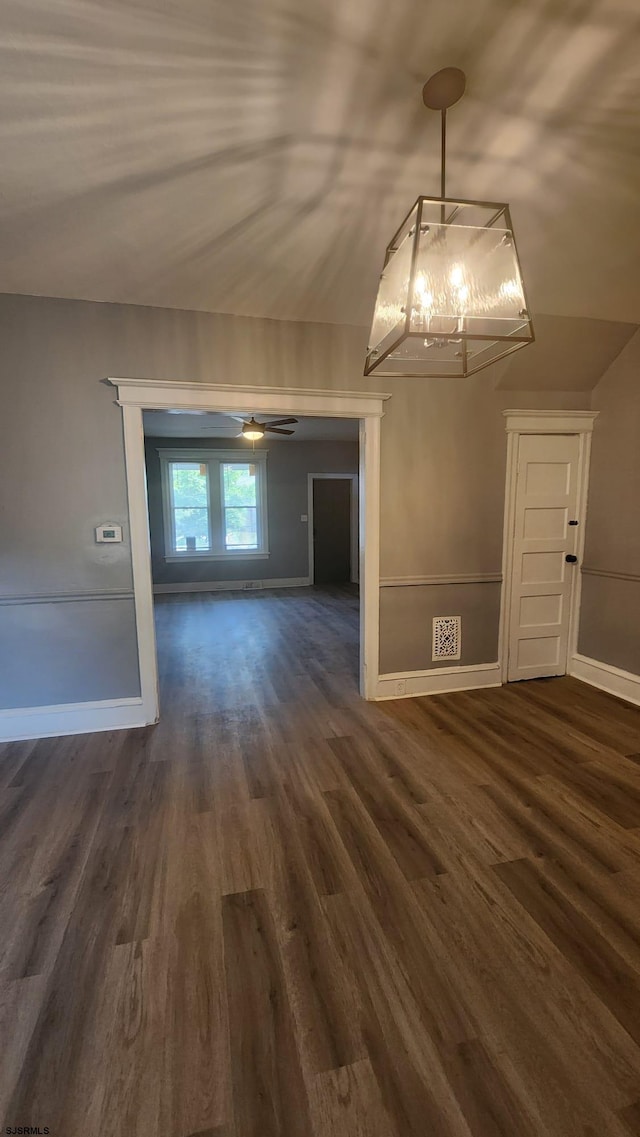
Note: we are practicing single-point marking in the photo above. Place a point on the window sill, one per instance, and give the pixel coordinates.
(175, 558)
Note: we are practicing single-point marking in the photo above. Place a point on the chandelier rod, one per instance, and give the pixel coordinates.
(443, 152)
(441, 91)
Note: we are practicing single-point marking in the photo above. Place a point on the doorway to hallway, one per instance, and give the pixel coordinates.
(333, 528)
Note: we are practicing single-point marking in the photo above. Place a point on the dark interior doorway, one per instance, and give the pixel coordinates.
(331, 530)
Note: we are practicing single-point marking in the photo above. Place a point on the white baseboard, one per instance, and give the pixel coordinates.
(232, 585)
(71, 718)
(438, 681)
(624, 684)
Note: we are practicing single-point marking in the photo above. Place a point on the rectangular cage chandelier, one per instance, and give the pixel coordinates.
(451, 299)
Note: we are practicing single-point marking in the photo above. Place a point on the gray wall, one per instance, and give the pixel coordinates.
(442, 510)
(61, 448)
(67, 651)
(406, 624)
(288, 464)
(610, 612)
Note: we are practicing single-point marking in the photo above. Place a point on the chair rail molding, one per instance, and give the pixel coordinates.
(443, 578)
(588, 570)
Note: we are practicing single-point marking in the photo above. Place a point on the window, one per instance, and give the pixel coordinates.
(240, 505)
(191, 529)
(214, 504)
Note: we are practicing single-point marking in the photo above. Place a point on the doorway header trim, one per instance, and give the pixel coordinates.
(161, 394)
(549, 422)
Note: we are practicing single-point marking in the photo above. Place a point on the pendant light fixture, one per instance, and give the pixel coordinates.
(451, 299)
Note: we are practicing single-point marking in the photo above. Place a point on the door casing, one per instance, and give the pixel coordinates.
(519, 422)
(136, 395)
(353, 478)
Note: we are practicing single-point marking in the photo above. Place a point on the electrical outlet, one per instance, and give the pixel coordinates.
(401, 686)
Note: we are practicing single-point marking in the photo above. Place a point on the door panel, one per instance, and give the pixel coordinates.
(542, 580)
(331, 530)
(545, 522)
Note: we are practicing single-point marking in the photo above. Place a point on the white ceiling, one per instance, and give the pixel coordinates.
(255, 157)
(162, 424)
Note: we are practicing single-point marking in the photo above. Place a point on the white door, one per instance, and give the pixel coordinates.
(542, 579)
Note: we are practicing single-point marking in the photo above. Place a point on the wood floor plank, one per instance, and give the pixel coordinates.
(398, 824)
(387, 891)
(404, 1056)
(20, 1005)
(12, 757)
(128, 1024)
(63, 1032)
(322, 849)
(347, 1103)
(269, 1094)
(550, 829)
(196, 1079)
(608, 975)
(47, 906)
(630, 1116)
(536, 1010)
(322, 1002)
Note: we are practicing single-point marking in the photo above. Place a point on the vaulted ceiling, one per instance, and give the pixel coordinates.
(254, 157)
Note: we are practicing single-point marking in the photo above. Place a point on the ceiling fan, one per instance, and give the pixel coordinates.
(253, 430)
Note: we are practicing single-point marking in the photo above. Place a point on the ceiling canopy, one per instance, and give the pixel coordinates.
(253, 158)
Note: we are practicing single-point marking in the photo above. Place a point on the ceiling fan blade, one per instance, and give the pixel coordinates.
(281, 421)
(238, 418)
(278, 430)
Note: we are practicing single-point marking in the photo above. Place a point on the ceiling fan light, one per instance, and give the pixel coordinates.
(252, 431)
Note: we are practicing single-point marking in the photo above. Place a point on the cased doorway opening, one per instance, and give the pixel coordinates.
(254, 559)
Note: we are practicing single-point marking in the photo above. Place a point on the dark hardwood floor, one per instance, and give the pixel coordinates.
(283, 911)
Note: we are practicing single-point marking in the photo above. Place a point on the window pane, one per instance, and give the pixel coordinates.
(239, 483)
(192, 524)
(241, 528)
(189, 484)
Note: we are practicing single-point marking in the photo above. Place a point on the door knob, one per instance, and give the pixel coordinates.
(570, 559)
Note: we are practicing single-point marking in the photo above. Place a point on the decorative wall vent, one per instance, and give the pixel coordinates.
(446, 637)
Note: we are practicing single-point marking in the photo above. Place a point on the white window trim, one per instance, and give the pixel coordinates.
(207, 456)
